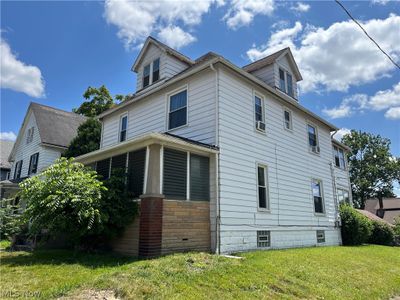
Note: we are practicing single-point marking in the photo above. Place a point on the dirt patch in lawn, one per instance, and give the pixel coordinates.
(92, 295)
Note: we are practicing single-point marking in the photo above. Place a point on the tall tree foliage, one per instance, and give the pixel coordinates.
(373, 169)
(97, 101)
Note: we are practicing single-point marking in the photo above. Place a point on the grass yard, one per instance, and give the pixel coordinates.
(367, 272)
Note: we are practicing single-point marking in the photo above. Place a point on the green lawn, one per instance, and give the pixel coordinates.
(367, 272)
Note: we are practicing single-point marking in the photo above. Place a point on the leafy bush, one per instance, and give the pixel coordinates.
(382, 234)
(356, 228)
(397, 226)
(66, 198)
(10, 219)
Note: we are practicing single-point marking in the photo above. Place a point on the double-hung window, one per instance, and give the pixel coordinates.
(289, 84)
(313, 138)
(262, 182)
(177, 113)
(286, 82)
(339, 157)
(282, 80)
(146, 75)
(18, 168)
(343, 196)
(288, 119)
(33, 163)
(316, 186)
(123, 128)
(156, 70)
(259, 113)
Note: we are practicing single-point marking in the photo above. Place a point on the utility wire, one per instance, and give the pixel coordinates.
(366, 33)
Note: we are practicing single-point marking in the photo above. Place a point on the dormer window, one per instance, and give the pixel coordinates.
(289, 84)
(286, 82)
(146, 75)
(29, 135)
(282, 81)
(151, 72)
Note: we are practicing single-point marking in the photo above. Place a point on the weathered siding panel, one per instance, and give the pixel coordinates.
(150, 114)
(290, 166)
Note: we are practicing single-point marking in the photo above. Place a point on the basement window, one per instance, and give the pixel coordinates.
(320, 236)
(263, 239)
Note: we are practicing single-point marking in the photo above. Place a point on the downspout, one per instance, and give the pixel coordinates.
(335, 200)
(217, 162)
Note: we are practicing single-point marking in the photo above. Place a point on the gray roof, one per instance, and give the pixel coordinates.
(5, 150)
(263, 61)
(56, 127)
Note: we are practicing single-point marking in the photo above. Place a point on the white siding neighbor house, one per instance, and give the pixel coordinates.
(222, 158)
(44, 135)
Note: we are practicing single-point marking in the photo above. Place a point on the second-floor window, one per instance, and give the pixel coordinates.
(312, 138)
(29, 135)
(262, 181)
(316, 186)
(123, 128)
(177, 113)
(33, 164)
(259, 113)
(146, 75)
(339, 157)
(288, 119)
(343, 196)
(18, 168)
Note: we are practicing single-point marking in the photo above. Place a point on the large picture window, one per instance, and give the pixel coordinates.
(177, 113)
(316, 186)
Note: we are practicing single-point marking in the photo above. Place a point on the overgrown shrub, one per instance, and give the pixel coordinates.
(382, 234)
(10, 219)
(356, 228)
(65, 199)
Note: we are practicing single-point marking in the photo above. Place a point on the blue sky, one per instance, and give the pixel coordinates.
(52, 51)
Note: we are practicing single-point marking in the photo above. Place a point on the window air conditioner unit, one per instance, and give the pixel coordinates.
(260, 126)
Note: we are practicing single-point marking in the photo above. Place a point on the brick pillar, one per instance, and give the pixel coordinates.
(150, 232)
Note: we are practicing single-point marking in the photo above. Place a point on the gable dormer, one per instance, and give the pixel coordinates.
(157, 62)
(278, 70)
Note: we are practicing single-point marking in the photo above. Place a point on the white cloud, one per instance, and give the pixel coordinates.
(341, 133)
(393, 113)
(339, 56)
(301, 7)
(381, 2)
(242, 12)
(382, 100)
(175, 37)
(9, 136)
(138, 19)
(18, 76)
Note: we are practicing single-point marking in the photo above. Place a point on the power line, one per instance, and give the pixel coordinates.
(366, 33)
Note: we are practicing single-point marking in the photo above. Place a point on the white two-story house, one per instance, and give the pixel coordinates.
(222, 158)
(44, 135)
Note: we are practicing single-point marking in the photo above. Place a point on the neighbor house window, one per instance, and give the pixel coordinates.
(146, 75)
(29, 135)
(312, 138)
(316, 186)
(339, 157)
(289, 85)
(262, 181)
(320, 236)
(156, 70)
(33, 164)
(123, 128)
(18, 168)
(282, 81)
(288, 119)
(343, 196)
(177, 115)
(263, 239)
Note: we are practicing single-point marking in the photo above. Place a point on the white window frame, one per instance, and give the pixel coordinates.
(321, 188)
(342, 190)
(121, 116)
(168, 96)
(285, 109)
(150, 75)
(263, 112)
(317, 137)
(267, 200)
(284, 78)
(344, 157)
(151, 64)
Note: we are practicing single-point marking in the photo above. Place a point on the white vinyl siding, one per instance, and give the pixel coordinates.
(150, 114)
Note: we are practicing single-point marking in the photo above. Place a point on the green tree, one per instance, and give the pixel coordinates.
(86, 140)
(65, 198)
(373, 169)
(98, 101)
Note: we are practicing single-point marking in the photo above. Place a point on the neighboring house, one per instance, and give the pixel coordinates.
(5, 166)
(222, 158)
(44, 135)
(390, 211)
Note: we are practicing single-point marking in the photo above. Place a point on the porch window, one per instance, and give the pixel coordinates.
(199, 178)
(33, 163)
(118, 163)
(18, 168)
(136, 166)
(177, 114)
(123, 128)
(175, 174)
(316, 186)
(103, 168)
(146, 75)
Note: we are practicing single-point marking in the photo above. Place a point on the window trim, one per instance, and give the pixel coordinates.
(263, 112)
(30, 172)
(18, 170)
(291, 84)
(144, 67)
(284, 78)
(261, 233)
(285, 109)
(322, 196)
(168, 97)
(344, 157)
(308, 123)
(121, 116)
(267, 196)
(343, 189)
(151, 68)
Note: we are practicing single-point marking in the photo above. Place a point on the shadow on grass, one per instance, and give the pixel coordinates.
(60, 257)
